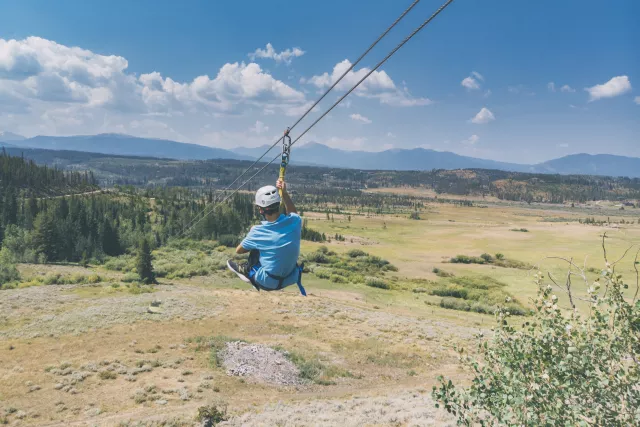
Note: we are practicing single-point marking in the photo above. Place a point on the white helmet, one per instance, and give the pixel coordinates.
(267, 196)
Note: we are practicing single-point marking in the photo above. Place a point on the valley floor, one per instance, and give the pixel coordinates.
(100, 354)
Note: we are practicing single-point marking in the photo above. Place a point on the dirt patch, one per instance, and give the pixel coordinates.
(260, 363)
(405, 408)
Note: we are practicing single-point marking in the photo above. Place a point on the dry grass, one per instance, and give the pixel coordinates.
(359, 340)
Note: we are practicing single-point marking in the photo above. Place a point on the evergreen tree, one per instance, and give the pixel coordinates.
(143, 263)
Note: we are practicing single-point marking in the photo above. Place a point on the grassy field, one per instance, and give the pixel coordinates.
(83, 346)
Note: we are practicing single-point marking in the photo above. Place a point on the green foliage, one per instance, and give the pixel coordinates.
(355, 253)
(107, 375)
(350, 267)
(441, 273)
(520, 230)
(499, 261)
(211, 415)
(314, 369)
(229, 240)
(8, 272)
(375, 282)
(561, 367)
(144, 267)
(311, 235)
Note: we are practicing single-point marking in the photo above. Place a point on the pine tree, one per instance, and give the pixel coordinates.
(143, 263)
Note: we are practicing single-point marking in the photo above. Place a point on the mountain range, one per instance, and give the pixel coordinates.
(322, 155)
(124, 145)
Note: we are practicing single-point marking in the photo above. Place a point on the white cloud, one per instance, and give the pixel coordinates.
(483, 116)
(567, 88)
(477, 75)
(614, 87)
(259, 128)
(563, 145)
(470, 83)
(637, 100)
(551, 86)
(270, 53)
(471, 140)
(377, 86)
(487, 93)
(387, 147)
(44, 81)
(360, 118)
(391, 135)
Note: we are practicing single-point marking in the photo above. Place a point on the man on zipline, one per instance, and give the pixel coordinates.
(274, 245)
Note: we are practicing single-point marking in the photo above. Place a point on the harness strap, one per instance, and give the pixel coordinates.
(281, 280)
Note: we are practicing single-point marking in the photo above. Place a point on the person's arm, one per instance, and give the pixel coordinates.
(240, 250)
(288, 203)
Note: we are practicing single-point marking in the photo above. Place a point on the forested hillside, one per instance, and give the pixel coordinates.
(203, 176)
(73, 227)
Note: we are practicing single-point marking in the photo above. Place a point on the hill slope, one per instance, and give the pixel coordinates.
(125, 145)
(588, 164)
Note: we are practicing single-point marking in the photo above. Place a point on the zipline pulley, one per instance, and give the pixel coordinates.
(286, 152)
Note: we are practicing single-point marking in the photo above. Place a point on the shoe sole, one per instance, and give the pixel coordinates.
(240, 275)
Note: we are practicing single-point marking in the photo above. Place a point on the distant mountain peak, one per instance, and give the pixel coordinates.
(7, 136)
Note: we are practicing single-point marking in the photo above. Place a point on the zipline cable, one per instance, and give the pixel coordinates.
(318, 101)
(385, 59)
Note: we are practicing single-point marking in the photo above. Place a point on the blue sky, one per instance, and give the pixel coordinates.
(512, 81)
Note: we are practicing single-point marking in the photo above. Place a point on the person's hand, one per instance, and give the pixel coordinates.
(281, 185)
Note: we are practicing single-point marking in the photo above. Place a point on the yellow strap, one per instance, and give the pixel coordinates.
(282, 173)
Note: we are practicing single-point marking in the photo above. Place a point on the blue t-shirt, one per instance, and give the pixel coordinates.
(279, 246)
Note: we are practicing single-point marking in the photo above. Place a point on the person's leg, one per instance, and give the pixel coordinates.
(246, 271)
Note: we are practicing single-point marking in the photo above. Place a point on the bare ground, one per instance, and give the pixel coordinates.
(89, 355)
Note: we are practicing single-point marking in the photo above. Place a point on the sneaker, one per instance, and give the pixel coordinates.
(240, 270)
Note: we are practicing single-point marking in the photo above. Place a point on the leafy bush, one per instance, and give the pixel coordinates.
(488, 258)
(121, 263)
(441, 273)
(211, 415)
(228, 240)
(130, 277)
(455, 304)
(520, 230)
(499, 256)
(563, 367)
(337, 279)
(355, 253)
(322, 273)
(374, 282)
(8, 271)
(450, 291)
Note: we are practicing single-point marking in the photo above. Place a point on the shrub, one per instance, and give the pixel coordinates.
(322, 273)
(337, 279)
(499, 256)
(211, 415)
(450, 291)
(8, 271)
(488, 258)
(318, 257)
(374, 282)
(130, 277)
(564, 367)
(228, 240)
(441, 273)
(107, 375)
(455, 304)
(355, 253)
(94, 278)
